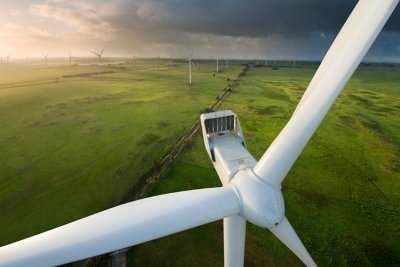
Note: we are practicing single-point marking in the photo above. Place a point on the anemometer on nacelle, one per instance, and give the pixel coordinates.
(224, 142)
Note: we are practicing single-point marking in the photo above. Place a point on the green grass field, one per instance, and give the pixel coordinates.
(343, 193)
(75, 139)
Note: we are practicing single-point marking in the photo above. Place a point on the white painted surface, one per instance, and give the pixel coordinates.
(234, 241)
(122, 226)
(285, 232)
(230, 156)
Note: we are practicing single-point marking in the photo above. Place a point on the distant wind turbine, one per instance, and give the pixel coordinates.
(189, 59)
(99, 55)
(133, 58)
(70, 58)
(45, 58)
(217, 65)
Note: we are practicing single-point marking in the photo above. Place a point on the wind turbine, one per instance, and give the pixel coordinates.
(99, 55)
(190, 61)
(45, 58)
(70, 58)
(217, 65)
(251, 190)
(98, 58)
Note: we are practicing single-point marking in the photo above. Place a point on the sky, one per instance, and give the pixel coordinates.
(272, 29)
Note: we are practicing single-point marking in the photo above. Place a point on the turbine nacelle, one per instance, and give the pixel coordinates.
(262, 203)
(225, 145)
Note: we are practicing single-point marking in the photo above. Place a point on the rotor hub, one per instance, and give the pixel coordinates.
(262, 203)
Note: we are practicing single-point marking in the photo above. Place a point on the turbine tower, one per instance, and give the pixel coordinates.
(70, 58)
(251, 190)
(217, 65)
(190, 62)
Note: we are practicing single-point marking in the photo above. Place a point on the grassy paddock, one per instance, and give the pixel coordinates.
(342, 195)
(74, 139)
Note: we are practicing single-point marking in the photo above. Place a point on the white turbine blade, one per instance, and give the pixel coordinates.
(348, 49)
(285, 232)
(101, 53)
(234, 240)
(94, 53)
(122, 226)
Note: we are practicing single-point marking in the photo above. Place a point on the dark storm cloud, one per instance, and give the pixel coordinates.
(258, 18)
(393, 24)
(255, 18)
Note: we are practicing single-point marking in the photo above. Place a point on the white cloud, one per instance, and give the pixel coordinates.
(12, 26)
(83, 21)
(39, 32)
(14, 12)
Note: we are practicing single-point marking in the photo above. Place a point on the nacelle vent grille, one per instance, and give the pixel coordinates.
(220, 124)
